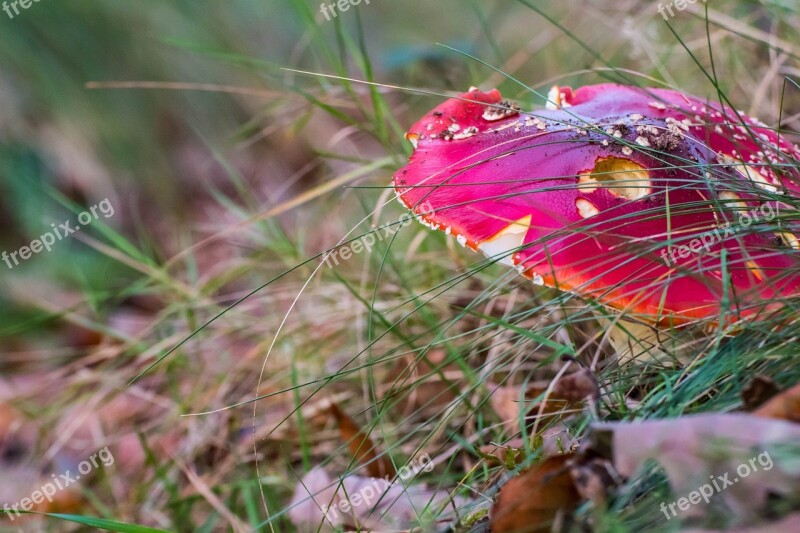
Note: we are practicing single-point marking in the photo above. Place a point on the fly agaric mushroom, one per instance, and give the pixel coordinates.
(603, 193)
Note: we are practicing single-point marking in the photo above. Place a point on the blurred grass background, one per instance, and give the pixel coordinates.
(180, 163)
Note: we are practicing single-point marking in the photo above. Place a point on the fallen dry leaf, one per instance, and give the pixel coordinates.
(567, 393)
(322, 502)
(361, 446)
(784, 406)
(757, 391)
(695, 449)
(20, 472)
(508, 402)
(538, 498)
(593, 477)
(576, 387)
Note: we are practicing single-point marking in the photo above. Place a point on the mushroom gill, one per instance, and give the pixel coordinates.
(621, 177)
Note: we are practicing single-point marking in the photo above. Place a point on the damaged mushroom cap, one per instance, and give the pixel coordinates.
(604, 192)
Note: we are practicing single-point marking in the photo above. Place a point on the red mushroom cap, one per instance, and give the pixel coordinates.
(603, 192)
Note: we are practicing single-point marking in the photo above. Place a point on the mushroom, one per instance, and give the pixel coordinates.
(602, 194)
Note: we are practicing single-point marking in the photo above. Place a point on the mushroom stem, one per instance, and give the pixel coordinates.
(638, 342)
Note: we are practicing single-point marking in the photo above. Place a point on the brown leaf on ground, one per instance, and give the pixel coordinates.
(758, 391)
(577, 386)
(508, 403)
(511, 407)
(538, 498)
(696, 451)
(8, 419)
(21, 475)
(567, 393)
(593, 478)
(785, 406)
(361, 446)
